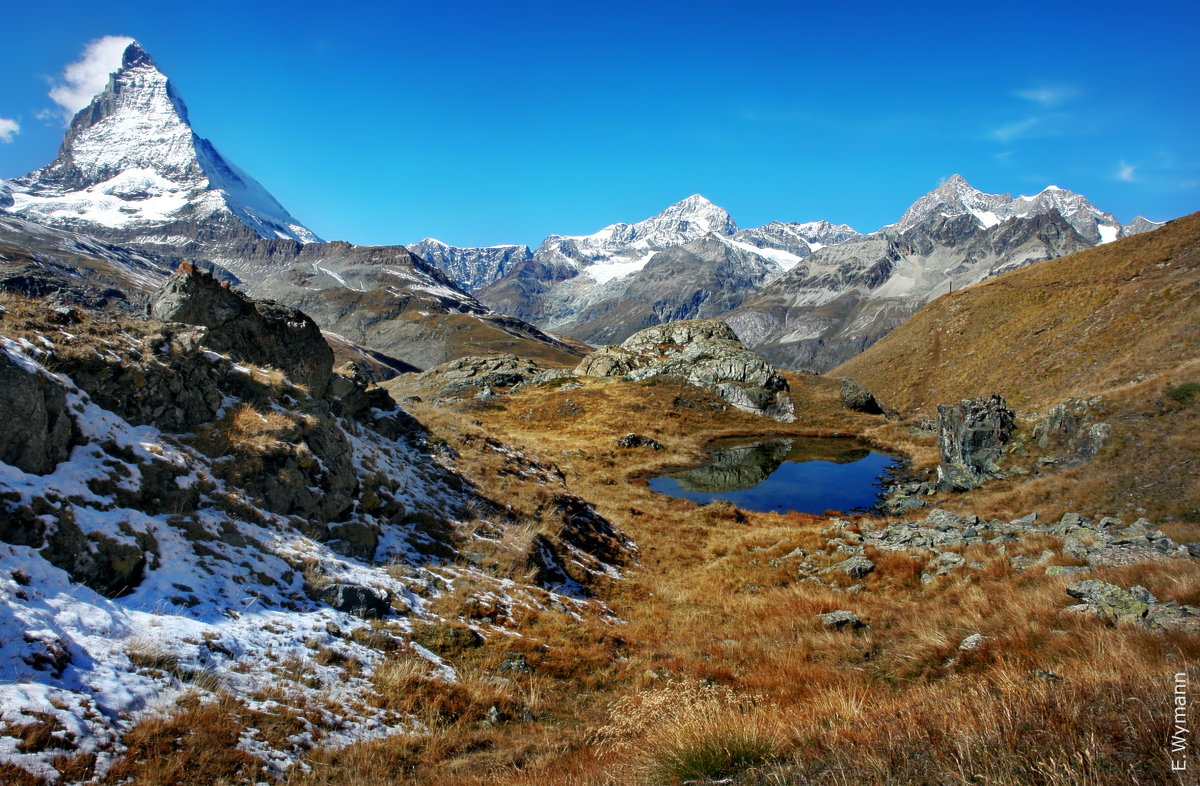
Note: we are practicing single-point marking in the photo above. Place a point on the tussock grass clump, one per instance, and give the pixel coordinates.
(685, 732)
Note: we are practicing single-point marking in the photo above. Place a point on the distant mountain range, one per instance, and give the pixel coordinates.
(131, 172)
(807, 295)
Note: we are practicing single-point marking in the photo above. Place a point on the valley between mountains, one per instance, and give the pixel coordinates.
(275, 509)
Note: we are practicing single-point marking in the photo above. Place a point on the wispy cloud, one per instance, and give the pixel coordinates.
(87, 76)
(1016, 130)
(1125, 171)
(8, 129)
(1048, 95)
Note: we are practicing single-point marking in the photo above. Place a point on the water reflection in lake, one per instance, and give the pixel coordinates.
(807, 475)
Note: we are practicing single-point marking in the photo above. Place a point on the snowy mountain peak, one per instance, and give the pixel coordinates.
(135, 55)
(687, 220)
(130, 165)
(957, 197)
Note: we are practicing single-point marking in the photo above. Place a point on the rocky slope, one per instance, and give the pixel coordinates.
(842, 299)
(471, 268)
(202, 507)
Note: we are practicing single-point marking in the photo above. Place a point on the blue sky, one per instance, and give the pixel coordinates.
(485, 122)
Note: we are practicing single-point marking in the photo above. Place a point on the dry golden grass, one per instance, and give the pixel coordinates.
(1121, 321)
(1091, 321)
(714, 613)
(686, 732)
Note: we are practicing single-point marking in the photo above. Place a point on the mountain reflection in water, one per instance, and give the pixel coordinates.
(807, 475)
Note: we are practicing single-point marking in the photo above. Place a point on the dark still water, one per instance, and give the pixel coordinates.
(792, 474)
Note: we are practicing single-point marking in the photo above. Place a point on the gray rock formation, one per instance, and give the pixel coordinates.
(704, 352)
(839, 300)
(856, 397)
(639, 441)
(473, 376)
(971, 437)
(36, 429)
(856, 567)
(356, 600)
(261, 332)
(471, 268)
(1135, 606)
(837, 620)
(1069, 435)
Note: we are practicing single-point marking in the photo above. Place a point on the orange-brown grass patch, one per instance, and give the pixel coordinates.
(684, 732)
(198, 745)
(716, 595)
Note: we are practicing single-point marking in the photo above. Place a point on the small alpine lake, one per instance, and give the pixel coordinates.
(780, 474)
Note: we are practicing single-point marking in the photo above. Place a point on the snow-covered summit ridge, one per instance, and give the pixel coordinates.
(130, 161)
(957, 197)
(687, 220)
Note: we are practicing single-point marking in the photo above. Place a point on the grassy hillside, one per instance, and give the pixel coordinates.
(1085, 323)
(1121, 322)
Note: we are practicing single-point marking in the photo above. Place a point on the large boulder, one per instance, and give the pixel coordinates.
(971, 436)
(36, 430)
(706, 353)
(261, 332)
(1069, 435)
(469, 377)
(857, 398)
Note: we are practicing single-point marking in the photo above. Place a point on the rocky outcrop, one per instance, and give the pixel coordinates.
(704, 352)
(262, 332)
(971, 437)
(858, 398)
(36, 430)
(1134, 606)
(356, 600)
(639, 441)
(1069, 435)
(837, 620)
(1100, 542)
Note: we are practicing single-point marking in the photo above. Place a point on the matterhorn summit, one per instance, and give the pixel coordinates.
(131, 168)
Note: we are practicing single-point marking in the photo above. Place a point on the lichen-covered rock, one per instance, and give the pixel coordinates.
(704, 352)
(858, 398)
(1135, 606)
(837, 620)
(262, 332)
(1069, 435)
(856, 567)
(473, 375)
(971, 437)
(36, 429)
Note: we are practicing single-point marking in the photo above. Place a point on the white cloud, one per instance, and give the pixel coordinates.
(1016, 130)
(8, 129)
(87, 76)
(1125, 172)
(1048, 95)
